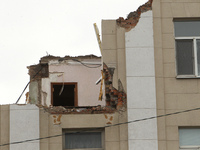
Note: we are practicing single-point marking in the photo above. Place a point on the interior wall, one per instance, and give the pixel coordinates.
(88, 91)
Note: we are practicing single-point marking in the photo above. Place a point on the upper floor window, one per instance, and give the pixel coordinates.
(64, 94)
(187, 37)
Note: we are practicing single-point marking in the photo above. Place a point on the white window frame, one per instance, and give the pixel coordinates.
(85, 130)
(194, 38)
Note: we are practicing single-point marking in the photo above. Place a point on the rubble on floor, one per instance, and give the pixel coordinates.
(77, 110)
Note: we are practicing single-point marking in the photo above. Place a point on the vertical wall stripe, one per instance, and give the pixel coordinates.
(141, 92)
(24, 125)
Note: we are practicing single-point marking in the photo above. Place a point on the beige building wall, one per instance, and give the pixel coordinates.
(113, 54)
(173, 94)
(114, 137)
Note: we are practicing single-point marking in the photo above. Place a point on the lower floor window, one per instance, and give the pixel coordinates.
(83, 139)
(189, 138)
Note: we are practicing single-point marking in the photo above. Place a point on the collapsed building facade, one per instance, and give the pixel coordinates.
(150, 69)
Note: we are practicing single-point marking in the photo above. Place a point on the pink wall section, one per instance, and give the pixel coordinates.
(88, 91)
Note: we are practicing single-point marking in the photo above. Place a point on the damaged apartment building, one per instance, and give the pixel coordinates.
(71, 97)
(149, 67)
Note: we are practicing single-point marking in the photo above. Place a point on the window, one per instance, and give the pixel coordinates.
(85, 139)
(187, 37)
(189, 138)
(64, 94)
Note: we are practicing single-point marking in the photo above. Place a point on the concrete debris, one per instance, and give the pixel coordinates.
(77, 110)
(39, 71)
(133, 17)
(46, 59)
(114, 98)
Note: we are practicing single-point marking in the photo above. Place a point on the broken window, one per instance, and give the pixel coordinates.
(64, 94)
(83, 139)
(187, 37)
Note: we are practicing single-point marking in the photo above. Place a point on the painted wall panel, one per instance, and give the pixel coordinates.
(141, 64)
(146, 130)
(142, 34)
(24, 125)
(141, 92)
(143, 144)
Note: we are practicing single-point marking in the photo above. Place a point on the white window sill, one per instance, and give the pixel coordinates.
(189, 148)
(187, 77)
(86, 149)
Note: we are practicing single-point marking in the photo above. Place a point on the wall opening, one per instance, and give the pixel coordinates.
(64, 94)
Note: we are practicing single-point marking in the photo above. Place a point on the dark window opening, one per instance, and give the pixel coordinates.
(83, 140)
(185, 57)
(80, 139)
(64, 94)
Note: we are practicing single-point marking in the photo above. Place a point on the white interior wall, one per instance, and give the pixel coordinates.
(88, 91)
(141, 93)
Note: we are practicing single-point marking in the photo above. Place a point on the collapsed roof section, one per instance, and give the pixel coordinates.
(133, 17)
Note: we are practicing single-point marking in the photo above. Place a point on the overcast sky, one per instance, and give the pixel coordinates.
(29, 29)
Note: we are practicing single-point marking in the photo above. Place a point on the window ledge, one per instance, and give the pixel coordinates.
(86, 149)
(187, 77)
(189, 147)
